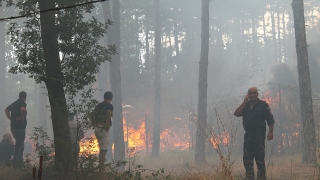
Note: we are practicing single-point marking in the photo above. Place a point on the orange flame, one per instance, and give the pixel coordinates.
(136, 137)
(89, 146)
(218, 139)
(272, 101)
(174, 138)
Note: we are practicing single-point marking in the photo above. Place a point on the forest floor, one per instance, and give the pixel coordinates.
(180, 166)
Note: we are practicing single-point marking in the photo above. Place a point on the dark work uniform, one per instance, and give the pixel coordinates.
(18, 130)
(254, 123)
(6, 151)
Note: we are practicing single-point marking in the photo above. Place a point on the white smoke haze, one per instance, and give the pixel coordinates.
(252, 43)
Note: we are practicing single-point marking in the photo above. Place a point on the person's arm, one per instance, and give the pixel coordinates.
(270, 122)
(270, 133)
(239, 110)
(7, 114)
(23, 113)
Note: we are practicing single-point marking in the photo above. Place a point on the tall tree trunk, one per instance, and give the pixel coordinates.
(113, 35)
(279, 36)
(274, 38)
(203, 85)
(106, 83)
(254, 50)
(308, 125)
(3, 65)
(42, 105)
(147, 63)
(265, 61)
(176, 40)
(100, 78)
(157, 82)
(54, 83)
(264, 30)
(284, 35)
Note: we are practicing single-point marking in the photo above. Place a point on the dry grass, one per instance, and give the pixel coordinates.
(180, 166)
(8, 173)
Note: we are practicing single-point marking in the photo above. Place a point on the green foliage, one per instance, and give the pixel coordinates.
(43, 145)
(87, 166)
(78, 35)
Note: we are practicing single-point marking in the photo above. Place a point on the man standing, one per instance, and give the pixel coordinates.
(255, 113)
(102, 123)
(17, 114)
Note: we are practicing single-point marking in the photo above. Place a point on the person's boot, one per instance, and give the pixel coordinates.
(261, 175)
(249, 175)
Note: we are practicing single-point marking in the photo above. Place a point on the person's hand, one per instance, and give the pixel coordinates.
(11, 141)
(20, 118)
(246, 99)
(270, 136)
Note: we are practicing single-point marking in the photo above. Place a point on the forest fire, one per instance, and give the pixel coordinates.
(271, 99)
(89, 146)
(221, 138)
(138, 137)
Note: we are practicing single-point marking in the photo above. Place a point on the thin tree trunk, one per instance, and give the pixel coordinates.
(203, 86)
(146, 128)
(279, 32)
(284, 35)
(255, 48)
(264, 30)
(274, 38)
(147, 63)
(265, 61)
(113, 35)
(176, 40)
(54, 83)
(105, 84)
(157, 82)
(42, 105)
(170, 60)
(3, 123)
(308, 124)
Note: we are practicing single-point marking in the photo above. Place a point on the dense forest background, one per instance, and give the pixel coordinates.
(252, 43)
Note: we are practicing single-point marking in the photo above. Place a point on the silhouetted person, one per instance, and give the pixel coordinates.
(17, 114)
(255, 113)
(76, 134)
(102, 123)
(6, 148)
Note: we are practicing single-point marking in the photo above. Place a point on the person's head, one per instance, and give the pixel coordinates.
(108, 96)
(23, 95)
(253, 93)
(7, 137)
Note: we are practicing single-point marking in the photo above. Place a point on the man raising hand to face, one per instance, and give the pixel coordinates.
(255, 113)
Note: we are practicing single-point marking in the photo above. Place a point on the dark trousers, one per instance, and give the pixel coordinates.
(19, 135)
(254, 148)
